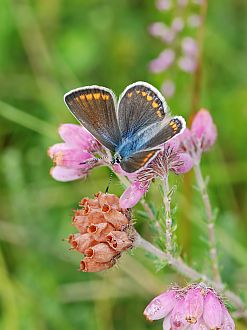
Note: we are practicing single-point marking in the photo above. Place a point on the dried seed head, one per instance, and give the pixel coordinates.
(105, 231)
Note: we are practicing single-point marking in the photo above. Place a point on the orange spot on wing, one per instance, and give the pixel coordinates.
(130, 94)
(105, 97)
(147, 157)
(96, 96)
(137, 92)
(175, 127)
(81, 97)
(149, 98)
(89, 97)
(155, 104)
(144, 93)
(159, 114)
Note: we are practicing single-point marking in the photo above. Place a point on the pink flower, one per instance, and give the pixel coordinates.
(163, 62)
(212, 314)
(163, 4)
(75, 157)
(200, 137)
(194, 307)
(178, 321)
(189, 46)
(177, 24)
(168, 88)
(204, 129)
(187, 64)
(160, 306)
(227, 323)
(132, 195)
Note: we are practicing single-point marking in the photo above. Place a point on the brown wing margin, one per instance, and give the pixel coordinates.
(94, 107)
(138, 160)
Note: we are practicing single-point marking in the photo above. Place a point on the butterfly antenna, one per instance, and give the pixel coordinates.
(108, 186)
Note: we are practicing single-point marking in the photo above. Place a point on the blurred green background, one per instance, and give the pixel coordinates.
(50, 47)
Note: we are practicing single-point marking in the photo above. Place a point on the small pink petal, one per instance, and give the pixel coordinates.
(204, 129)
(177, 24)
(163, 62)
(200, 325)
(76, 135)
(212, 313)
(168, 88)
(193, 305)
(189, 46)
(172, 144)
(160, 306)
(72, 158)
(167, 323)
(228, 323)
(57, 148)
(132, 195)
(64, 174)
(178, 321)
(187, 64)
(163, 4)
(182, 164)
(185, 140)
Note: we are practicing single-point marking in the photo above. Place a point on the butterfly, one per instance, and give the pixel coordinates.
(132, 128)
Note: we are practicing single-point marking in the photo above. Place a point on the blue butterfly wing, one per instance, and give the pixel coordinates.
(95, 108)
(139, 106)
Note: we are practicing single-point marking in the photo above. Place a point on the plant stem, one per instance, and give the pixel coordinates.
(210, 222)
(181, 267)
(168, 219)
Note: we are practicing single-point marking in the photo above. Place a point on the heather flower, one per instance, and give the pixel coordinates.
(189, 46)
(163, 4)
(193, 304)
(187, 64)
(171, 158)
(76, 156)
(194, 307)
(105, 231)
(227, 323)
(133, 194)
(163, 62)
(212, 314)
(200, 137)
(168, 88)
(182, 46)
(160, 306)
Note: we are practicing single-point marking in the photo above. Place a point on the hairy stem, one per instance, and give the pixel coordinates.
(181, 267)
(210, 222)
(168, 219)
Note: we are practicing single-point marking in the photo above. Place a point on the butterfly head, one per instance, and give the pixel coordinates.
(116, 159)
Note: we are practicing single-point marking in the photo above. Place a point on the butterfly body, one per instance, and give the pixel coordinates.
(132, 128)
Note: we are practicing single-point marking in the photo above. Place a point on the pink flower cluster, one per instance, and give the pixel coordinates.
(200, 137)
(76, 156)
(195, 307)
(186, 18)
